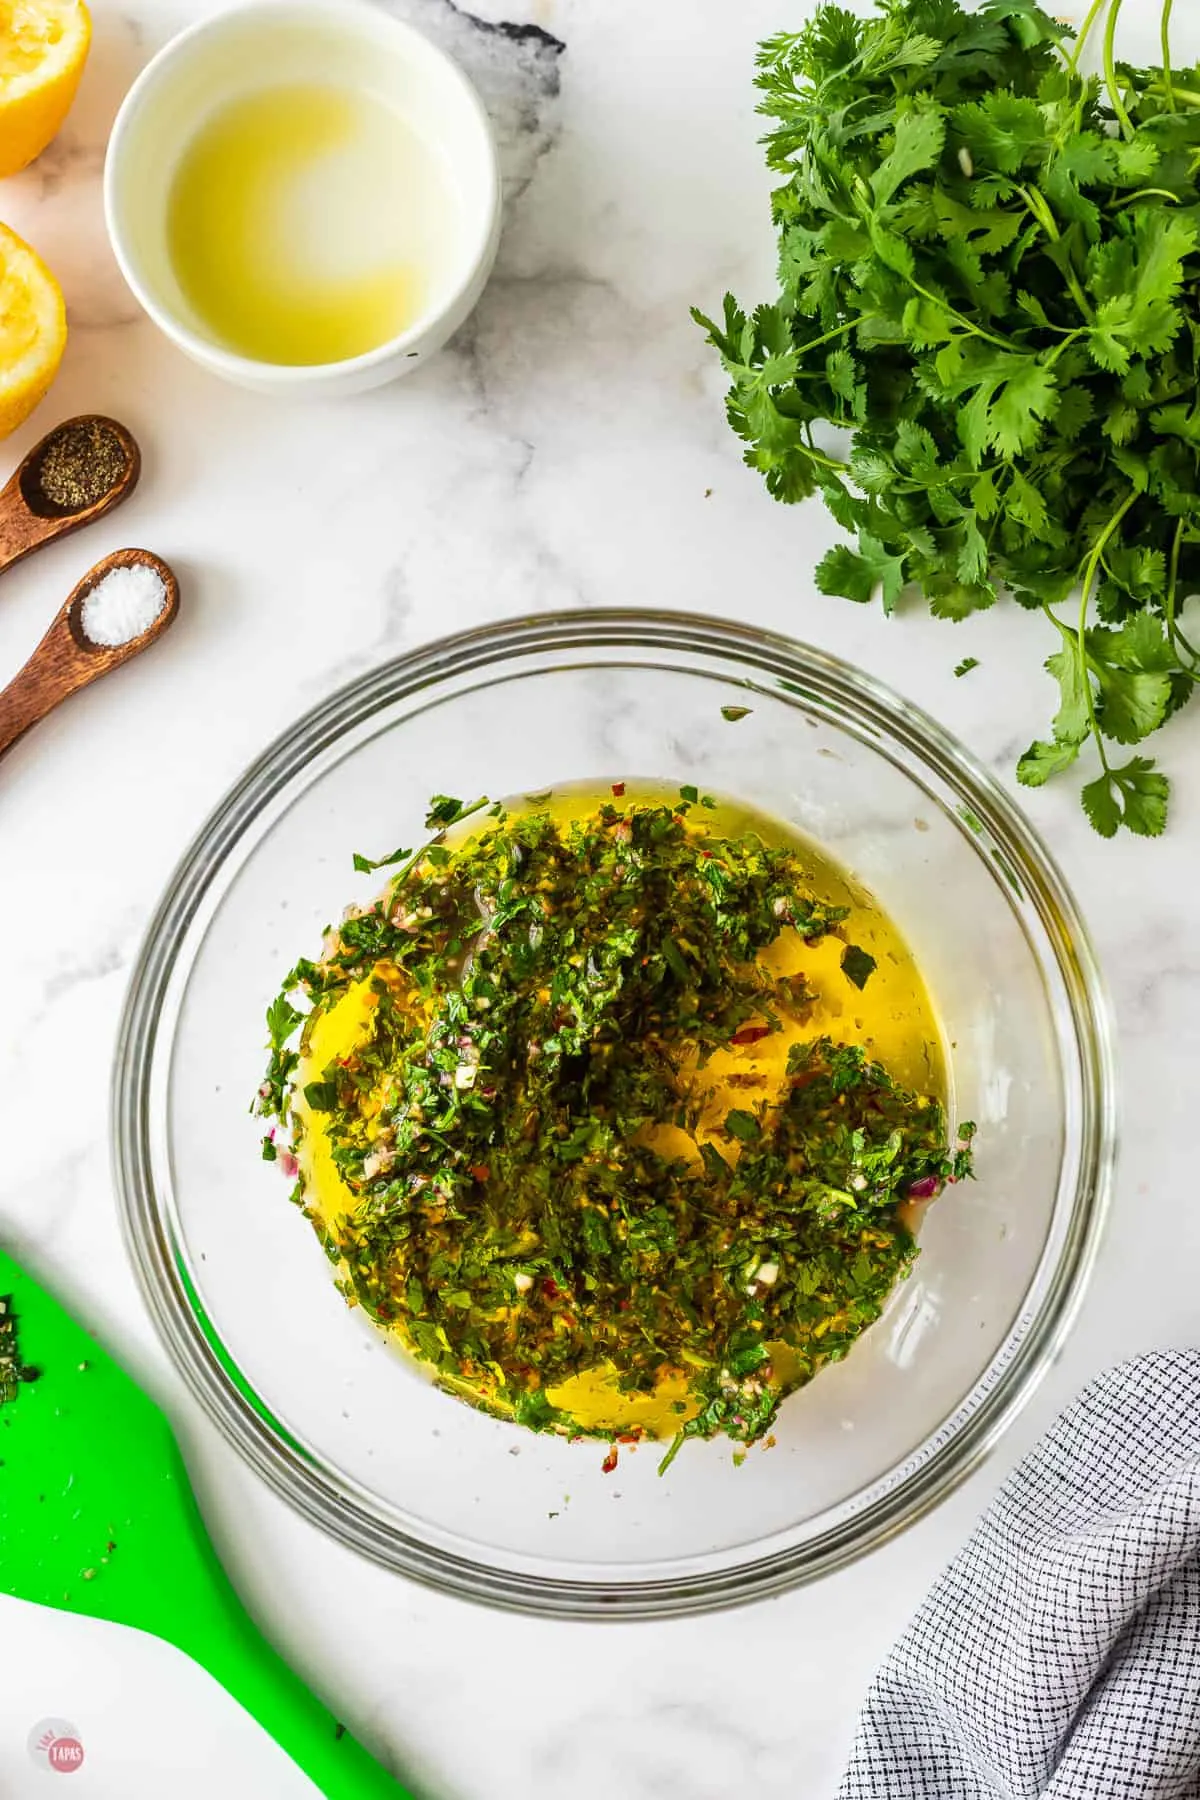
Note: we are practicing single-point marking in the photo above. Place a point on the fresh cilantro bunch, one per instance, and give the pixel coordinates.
(989, 269)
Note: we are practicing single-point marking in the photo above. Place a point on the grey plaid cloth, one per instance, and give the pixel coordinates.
(1058, 1657)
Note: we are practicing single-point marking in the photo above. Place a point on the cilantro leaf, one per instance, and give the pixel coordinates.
(1132, 704)
(916, 145)
(1135, 796)
(1072, 718)
(951, 598)
(1042, 760)
(1020, 407)
(858, 575)
(1002, 131)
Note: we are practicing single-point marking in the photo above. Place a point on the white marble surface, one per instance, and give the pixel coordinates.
(568, 449)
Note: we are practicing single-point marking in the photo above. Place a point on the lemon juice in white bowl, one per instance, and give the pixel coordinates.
(304, 196)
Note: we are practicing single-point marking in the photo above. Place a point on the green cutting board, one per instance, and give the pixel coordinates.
(97, 1516)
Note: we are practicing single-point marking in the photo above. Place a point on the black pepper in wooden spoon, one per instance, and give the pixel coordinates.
(76, 474)
(76, 466)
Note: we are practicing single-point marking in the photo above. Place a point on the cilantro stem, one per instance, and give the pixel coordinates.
(1110, 69)
(1053, 355)
(837, 332)
(1189, 96)
(1175, 631)
(959, 318)
(1145, 194)
(1165, 33)
(826, 462)
(1089, 579)
(1094, 11)
(1035, 200)
(1039, 207)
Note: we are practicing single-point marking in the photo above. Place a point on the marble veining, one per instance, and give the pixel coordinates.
(516, 67)
(568, 449)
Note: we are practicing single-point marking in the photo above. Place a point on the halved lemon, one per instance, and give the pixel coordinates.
(43, 47)
(33, 329)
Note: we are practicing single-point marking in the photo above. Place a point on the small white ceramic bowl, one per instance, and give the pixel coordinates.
(345, 43)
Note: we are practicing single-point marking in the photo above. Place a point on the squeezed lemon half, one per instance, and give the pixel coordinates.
(43, 47)
(33, 329)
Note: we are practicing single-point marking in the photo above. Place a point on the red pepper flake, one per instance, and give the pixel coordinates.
(630, 1437)
(610, 1461)
(551, 1288)
(618, 788)
(478, 1171)
(750, 1034)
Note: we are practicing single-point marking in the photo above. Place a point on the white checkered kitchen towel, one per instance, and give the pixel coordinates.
(1058, 1657)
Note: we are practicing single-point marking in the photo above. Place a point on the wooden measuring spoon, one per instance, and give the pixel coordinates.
(67, 660)
(29, 518)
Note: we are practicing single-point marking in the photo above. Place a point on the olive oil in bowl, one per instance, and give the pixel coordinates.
(309, 224)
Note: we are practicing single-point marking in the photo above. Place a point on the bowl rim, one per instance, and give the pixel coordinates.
(987, 814)
(343, 15)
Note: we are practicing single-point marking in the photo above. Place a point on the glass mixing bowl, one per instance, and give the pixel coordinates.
(338, 1421)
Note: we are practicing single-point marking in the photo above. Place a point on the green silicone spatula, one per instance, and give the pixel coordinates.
(97, 1516)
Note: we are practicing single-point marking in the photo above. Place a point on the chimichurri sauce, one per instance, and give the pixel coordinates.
(588, 1109)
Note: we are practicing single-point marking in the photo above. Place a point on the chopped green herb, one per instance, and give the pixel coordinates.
(322, 1096)
(12, 1370)
(526, 1123)
(365, 866)
(677, 1443)
(444, 811)
(282, 1020)
(966, 665)
(858, 965)
(734, 713)
(742, 1125)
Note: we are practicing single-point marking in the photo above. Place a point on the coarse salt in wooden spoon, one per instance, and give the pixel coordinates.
(117, 610)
